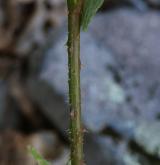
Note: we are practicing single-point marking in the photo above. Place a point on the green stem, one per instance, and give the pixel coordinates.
(76, 133)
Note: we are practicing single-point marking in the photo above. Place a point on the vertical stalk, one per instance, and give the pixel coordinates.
(76, 133)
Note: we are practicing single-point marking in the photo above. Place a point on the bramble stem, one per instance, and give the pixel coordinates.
(76, 133)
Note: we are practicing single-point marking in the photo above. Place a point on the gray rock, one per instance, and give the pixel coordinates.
(133, 39)
(134, 159)
(100, 93)
(120, 78)
(147, 135)
(119, 47)
(102, 150)
(144, 147)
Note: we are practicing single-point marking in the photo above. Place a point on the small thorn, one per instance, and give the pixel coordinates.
(72, 114)
(84, 130)
(82, 65)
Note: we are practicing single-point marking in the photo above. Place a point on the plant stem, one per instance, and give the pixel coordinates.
(76, 133)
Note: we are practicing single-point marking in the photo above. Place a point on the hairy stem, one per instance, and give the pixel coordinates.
(76, 133)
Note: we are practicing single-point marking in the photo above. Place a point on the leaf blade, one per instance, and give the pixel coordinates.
(40, 160)
(89, 10)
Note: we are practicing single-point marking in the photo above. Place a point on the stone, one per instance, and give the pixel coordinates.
(102, 150)
(116, 62)
(147, 135)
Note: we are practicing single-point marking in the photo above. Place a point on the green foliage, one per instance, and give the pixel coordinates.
(89, 10)
(69, 162)
(80, 13)
(40, 160)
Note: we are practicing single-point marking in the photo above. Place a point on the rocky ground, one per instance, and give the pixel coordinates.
(120, 82)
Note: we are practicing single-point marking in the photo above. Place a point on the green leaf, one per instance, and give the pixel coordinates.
(69, 162)
(40, 160)
(89, 10)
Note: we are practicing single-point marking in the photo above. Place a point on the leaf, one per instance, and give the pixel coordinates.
(40, 160)
(69, 162)
(89, 10)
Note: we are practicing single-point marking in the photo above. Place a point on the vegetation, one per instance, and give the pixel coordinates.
(79, 15)
(39, 159)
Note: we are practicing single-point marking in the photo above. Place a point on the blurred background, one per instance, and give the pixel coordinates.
(120, 82)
